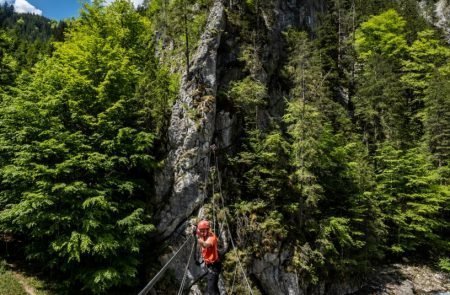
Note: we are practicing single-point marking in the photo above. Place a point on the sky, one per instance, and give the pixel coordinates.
(53, 9)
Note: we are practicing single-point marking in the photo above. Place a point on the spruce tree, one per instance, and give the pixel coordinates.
(8, 64)
(407, 184)
(436, 120)
(381, 108)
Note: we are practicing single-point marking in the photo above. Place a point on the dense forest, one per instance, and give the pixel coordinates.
(340, 153)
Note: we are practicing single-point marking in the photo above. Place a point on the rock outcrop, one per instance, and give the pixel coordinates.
(181, 182)
(438, 14)
(400, 279)
(442, 13)
(272, 277)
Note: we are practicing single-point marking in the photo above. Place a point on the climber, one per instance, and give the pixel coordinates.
(209, 248)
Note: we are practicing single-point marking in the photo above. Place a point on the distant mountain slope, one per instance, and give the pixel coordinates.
(31, 34)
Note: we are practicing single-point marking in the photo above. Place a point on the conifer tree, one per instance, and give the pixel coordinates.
(306, 124)
(8, 64)
(264, 192)
(382, 111)
(436, 120)
(331, 208)
(425, 55)
(407, 186)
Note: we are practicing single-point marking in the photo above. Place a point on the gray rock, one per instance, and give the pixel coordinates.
(439, 15)
(181, 182)
(402, 279)
(442, 13)
(270, 272)
(225, 129)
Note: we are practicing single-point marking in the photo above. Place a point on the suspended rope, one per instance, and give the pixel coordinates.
(213, 201)
(213, 209)
(213, 148)
(163, 269)
(180, 291)
(196, 281)
(228, 225)
(205, 187)
(221, 205)
(234, 279)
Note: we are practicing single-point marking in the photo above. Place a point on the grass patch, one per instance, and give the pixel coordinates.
(9, 285)
(16, 283)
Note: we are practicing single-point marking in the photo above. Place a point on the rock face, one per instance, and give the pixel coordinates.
(181, 182)
(438, 15)
(442, 13)
(401, 279)
(273, 279)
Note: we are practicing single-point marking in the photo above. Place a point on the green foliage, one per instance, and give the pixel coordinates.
(307, 126)
(357, 191)
(413, 13)
(436, 119)
(407, 183)
(335, 37)
(31, 35)
(264, 186)
(259, 227)
(250, 56)
(322, 194)
(248, 94)
(425, 56)
(382, 112)
(307, 262)
(383, 34)
(444, 264)
(233, 274)
(8, 64)
(336, 234)
(76, 152)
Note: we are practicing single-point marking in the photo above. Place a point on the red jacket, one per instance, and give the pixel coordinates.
(210, 254)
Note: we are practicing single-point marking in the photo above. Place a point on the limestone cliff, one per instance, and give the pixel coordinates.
(191, 129)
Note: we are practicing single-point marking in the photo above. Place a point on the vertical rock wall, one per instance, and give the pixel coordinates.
(180, 185)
